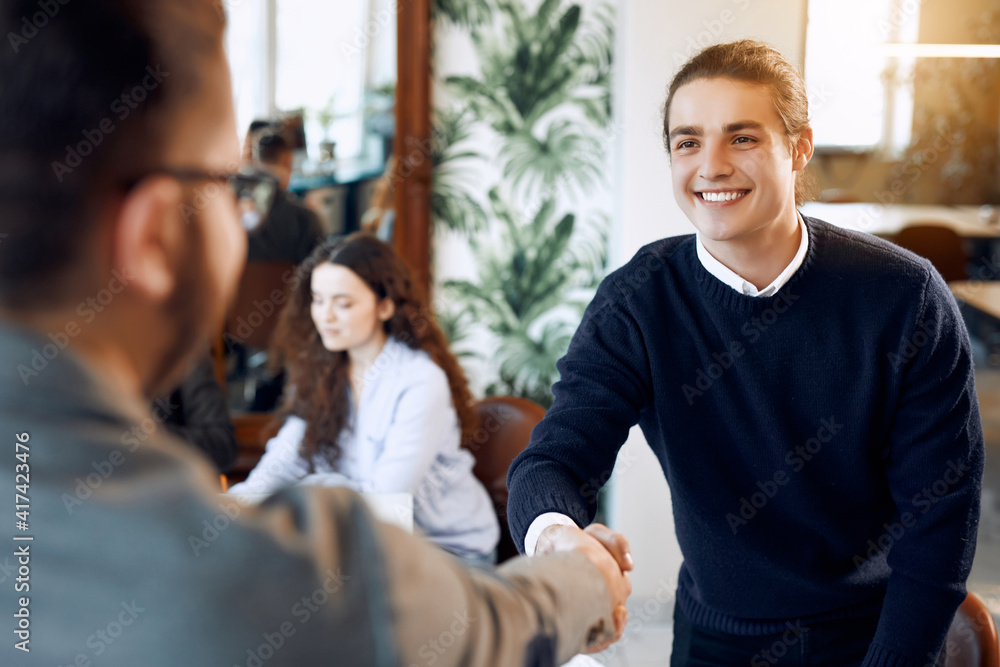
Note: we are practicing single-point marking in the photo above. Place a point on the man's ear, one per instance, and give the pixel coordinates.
(385, 309)
(803, 151)
(148, 236)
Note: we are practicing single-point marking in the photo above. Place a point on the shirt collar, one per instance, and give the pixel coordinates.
(743, 286)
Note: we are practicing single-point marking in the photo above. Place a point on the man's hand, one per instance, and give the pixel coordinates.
(607, 550)
(614, 542)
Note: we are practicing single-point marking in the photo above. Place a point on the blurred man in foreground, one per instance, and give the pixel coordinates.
(120, 246)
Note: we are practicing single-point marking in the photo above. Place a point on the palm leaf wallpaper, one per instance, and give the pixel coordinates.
(523, 129)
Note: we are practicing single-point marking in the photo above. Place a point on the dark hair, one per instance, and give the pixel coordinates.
(261, 124)
(270, 147)
(317, 377)
(755, 62)
(88, 91)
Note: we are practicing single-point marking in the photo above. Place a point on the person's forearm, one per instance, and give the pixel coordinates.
(271, 473)
(603, 386)
(547, 488)
(541, 610)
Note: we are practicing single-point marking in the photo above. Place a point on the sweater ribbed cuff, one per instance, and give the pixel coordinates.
(523, 508)
(880, 656)
(914, 621)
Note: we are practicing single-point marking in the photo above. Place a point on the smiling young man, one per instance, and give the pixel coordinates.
(112, 278)
(808, 392)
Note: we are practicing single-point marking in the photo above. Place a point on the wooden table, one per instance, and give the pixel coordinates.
(887, 221)
(253, 430)
(984, 296)
(979, 302)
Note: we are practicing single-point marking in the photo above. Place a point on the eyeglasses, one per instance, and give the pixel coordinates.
(255, 189)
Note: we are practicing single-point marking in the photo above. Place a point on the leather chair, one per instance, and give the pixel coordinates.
(504, 431)
(972, 638)
(261, 295)
(941, 245)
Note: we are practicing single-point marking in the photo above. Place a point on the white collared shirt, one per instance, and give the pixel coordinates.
(729, 277)
(743, 286)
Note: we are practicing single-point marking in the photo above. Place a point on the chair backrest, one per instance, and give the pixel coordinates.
(941, 245)
(505, 430)
(972, 638)
(263, 291)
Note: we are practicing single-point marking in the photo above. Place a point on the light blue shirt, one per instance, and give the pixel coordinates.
(404, 438)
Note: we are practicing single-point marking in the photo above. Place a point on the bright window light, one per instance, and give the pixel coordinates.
(861, 94)
(314, 68)
(318, 60)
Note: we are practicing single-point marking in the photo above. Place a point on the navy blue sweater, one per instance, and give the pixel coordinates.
(823, 446)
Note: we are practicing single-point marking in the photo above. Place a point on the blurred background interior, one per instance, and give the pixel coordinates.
(511, 151)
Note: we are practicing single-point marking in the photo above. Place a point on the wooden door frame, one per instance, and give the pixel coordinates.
(412, 144)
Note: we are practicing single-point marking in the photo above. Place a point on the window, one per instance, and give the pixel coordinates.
(315, 55)
(861, 98)
(246, 47)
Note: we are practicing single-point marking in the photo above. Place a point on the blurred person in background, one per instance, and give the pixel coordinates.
(375, 399)
(291, 231)
(258, 126)
(289, 234)
(380, 217)
(196, 412)
(120, 247)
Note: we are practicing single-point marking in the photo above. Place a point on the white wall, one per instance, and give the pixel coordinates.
(654, 38)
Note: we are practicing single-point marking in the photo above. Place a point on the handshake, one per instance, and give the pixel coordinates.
(606, 549)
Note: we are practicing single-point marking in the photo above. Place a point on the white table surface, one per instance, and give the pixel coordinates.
(889, 220)
(394, 508)
(981, 295)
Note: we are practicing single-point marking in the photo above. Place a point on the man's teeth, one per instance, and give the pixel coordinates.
(723, 196)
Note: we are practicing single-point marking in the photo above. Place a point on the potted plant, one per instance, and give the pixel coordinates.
(325, 117)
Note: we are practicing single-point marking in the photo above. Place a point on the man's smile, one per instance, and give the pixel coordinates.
(721, 195)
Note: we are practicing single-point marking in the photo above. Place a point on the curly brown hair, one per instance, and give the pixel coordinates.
(317, 379)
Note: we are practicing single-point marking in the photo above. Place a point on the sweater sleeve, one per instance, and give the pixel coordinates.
(934, 468)
(604, 384)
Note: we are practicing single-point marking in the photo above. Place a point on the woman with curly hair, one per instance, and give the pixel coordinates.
(375, 399)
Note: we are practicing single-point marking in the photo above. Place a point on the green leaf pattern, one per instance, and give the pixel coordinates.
(520, 157)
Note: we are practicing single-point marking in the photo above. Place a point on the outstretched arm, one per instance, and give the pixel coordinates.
(604, 384)
(538, 611)
(281, 465)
